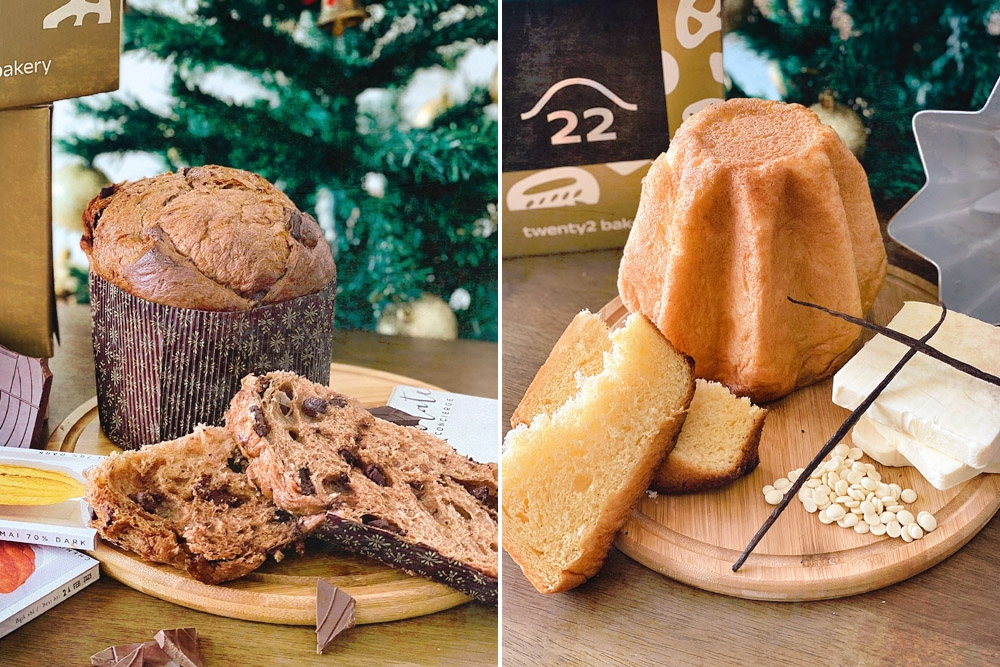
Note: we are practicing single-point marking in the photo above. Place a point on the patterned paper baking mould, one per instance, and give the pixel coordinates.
(162, 370)
(387, 548)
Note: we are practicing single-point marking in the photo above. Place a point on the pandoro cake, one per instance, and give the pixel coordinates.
(755, 201)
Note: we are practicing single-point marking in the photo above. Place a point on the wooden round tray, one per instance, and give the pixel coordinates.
(283, 592)
(696, 538)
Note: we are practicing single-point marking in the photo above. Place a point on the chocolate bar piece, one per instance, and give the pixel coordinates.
(394, 415)
(25, 383)
(170, 648)
(334, 613)
(181, 645)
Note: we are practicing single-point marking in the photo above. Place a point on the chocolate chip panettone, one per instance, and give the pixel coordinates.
(391, 492)
(208, 238)
(198, 278)
(189, 504)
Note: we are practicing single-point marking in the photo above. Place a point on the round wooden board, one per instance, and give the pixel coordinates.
(696, 538)
(283, 592)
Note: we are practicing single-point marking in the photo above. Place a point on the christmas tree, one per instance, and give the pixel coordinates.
(881, 62)
(404, 189)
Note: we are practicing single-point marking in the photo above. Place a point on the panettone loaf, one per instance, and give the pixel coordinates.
(188, 503)
(570, 476)
(207, 238)
(391, 492)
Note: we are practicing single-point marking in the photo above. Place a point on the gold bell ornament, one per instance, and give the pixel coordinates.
(341, 14)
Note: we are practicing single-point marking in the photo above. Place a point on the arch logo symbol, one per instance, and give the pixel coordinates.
(565, 134)
(77, 10)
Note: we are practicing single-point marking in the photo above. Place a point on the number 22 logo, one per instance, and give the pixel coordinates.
(565, 135)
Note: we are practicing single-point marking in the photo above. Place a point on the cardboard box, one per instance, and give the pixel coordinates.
(56, 49)
(53, 574)
(61, 524)
(27, 300)
(592, 92)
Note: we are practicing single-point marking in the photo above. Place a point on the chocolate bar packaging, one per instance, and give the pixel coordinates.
(25, 384)
(592, 92)
(36, 578)
(162, 370)
(56, 49)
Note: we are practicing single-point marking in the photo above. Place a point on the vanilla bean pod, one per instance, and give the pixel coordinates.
(852, 419)
(932, 352)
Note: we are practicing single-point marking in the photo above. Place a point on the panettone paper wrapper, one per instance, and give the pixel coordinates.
(162, 370)
(413, 558)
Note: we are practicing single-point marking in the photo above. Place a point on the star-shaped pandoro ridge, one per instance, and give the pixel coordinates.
(954, 220)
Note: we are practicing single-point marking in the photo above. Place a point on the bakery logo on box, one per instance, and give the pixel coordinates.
(568, 133)
(78, 9)
(57, 49)
(593, 92)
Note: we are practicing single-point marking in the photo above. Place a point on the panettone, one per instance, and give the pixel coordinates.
(197, 278)
(207, 238)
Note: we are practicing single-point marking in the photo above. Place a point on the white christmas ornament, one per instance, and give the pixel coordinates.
(73, 186)
(374, 184)
(427, 317)
(954, 221)
(460, 299)
(848, 125)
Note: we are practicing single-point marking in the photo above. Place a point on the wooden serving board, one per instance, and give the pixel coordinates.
(283, 592)
(696, 538)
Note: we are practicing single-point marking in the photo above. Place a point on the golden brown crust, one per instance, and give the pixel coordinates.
(207, 238)
(755, 201)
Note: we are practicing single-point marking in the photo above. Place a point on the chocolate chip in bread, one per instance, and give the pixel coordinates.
(188, 503)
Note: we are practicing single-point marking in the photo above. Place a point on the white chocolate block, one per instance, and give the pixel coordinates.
(929, 401)
(942, 471)
(866, 436)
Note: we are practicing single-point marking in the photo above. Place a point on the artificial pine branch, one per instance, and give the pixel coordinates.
(421, 235)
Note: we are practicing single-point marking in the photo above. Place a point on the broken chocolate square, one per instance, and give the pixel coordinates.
(334, 613)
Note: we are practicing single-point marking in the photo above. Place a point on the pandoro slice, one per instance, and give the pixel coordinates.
(718, 444)
(571, 475)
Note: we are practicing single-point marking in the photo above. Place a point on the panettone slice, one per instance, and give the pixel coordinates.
(394, 493)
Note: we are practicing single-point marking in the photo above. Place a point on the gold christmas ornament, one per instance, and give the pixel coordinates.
(495, 85)
(73, 186)
(341, 14)
(427, 317)
(842, 118)
(63, 281)
(428, 112)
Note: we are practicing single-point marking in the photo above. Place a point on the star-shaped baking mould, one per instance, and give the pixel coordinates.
(954, 220)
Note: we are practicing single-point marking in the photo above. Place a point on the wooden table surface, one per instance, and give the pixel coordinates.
(108, 613)
(630, 615)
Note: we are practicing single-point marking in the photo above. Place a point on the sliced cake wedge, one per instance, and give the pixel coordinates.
(573, 469)
(188, 503)
(394, 493)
